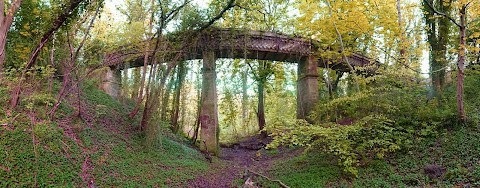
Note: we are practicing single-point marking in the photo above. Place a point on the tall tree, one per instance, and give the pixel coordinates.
(261, 74)
(65, 14)
(176, 101)
(461, 7)
(6, 20)
(438, 32)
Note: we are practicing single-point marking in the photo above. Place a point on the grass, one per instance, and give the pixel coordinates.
(53, 161)
(116, 150)
(306, 170)
(456, 150)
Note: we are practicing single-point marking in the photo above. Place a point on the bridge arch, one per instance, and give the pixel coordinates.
(237, 44)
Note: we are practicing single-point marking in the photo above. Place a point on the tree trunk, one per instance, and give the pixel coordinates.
(3, 43)
(140, 96)
(437, 37)
(461, 65)
(402, 33)
(135, 83)
(166, 97)
(125, 86)
(6, 20)
(144, 68)
(33, 57)
(261, 107)
(199, 104)
(244, 98)
(178, 89)
(342, 48)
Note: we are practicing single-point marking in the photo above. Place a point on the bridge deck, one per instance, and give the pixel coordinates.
(230, 43)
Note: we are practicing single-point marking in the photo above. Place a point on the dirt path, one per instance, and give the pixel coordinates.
(234, 162)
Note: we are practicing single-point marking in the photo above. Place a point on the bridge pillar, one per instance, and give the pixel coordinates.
(111, 82)
(209, 129)
(307, 87)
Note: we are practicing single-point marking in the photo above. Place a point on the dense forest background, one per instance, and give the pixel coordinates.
(417, 99)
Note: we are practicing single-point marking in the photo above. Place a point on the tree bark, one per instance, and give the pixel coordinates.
(146, 54)
(178, 89)
(461, 65)
(166, 97)
(135, 82)
(261, 108)
(6, 20)
(402, 33)
(437, 37)
(261, 98)
(244, 98)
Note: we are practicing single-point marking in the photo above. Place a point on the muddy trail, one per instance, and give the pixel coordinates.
(238, 163)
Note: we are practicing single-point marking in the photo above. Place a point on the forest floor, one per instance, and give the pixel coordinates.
(244, 160)
(103, 148)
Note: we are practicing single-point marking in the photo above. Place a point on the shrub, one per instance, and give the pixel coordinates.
(387, 115)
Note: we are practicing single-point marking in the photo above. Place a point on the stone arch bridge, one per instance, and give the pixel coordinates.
(230, 43)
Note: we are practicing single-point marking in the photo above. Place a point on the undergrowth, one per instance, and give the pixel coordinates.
(46, 154)
(455, 150)
(388, 115)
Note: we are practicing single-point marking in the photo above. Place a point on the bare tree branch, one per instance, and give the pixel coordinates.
(87, 32)
(56, 25)
(231, 4)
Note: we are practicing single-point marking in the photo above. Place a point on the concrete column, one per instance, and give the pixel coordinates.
(111, 82)
(209, 129)
(307, 87)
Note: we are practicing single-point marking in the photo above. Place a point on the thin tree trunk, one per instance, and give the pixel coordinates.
(335, 84)
(178, 89)
(125, 85)
(140, 96)
(261, 97)
(197, 126)
(69, 66)
(199, 104)
(461, 65)
(135, 85)
(402, 33)
(52, 63)
(56, 25)
(166, 97)
(6, 20)
(3, 43)
(184, 109)
(244, 98)
(261, 108)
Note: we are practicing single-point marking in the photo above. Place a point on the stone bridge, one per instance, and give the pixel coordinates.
(230, 43)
